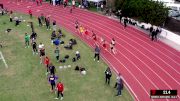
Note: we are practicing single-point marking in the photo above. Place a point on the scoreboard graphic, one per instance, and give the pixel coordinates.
(163, 94)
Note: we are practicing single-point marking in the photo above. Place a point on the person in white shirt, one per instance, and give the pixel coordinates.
(73, 3)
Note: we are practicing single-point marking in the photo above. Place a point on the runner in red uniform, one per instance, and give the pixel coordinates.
(94, 36)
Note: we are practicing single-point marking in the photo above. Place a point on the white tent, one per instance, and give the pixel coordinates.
(96, 1)
(165, 1)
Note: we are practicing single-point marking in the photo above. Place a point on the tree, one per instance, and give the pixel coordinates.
(152, 12)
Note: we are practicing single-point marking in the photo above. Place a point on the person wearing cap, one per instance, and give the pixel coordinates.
(78, 56)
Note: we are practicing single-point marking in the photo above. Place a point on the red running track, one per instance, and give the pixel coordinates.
(144, 64)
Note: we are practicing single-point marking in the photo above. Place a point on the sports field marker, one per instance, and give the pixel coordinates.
(2, 57)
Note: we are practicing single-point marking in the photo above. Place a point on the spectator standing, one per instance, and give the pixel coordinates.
(125, 22)
(102, 7)
(60, 90)
(52, 69)
(108, 75)
(52, 81)
(73, 4)
(39, 20)
(27, 38)
(97, 53)
(56, 51)
(34, 46)
(47, 62)
(11, 16)
(153, 34)
(117, 80)
(150, 30)
(47, 20)
(119, 87)
(54, 25)
(41, 50)
(30, 13)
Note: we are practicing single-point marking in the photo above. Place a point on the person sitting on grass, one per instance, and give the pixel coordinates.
(53, 36)
(60, 34)
(56, 42)
(17, 21)
(27, 38)
(81, 69)
(78, 56)
(69, 46)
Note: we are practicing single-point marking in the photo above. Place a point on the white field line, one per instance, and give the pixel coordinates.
(2, 57)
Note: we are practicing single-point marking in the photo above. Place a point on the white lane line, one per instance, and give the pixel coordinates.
(2, 58)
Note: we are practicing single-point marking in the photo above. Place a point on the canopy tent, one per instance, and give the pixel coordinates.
(96, 1)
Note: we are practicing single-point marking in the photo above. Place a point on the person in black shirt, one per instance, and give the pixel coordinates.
(125, 22)
(33, 35)
(108, 75)
(153, 35)
(47, 20)
(150, 30)
(34, 46)
(52, 69)
(39, 20)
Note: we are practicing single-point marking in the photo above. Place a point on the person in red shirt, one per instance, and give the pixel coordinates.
(103, 41)
(86, 33)
(46, 62)
(60, 89)
(30, 13)
(94, 36)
